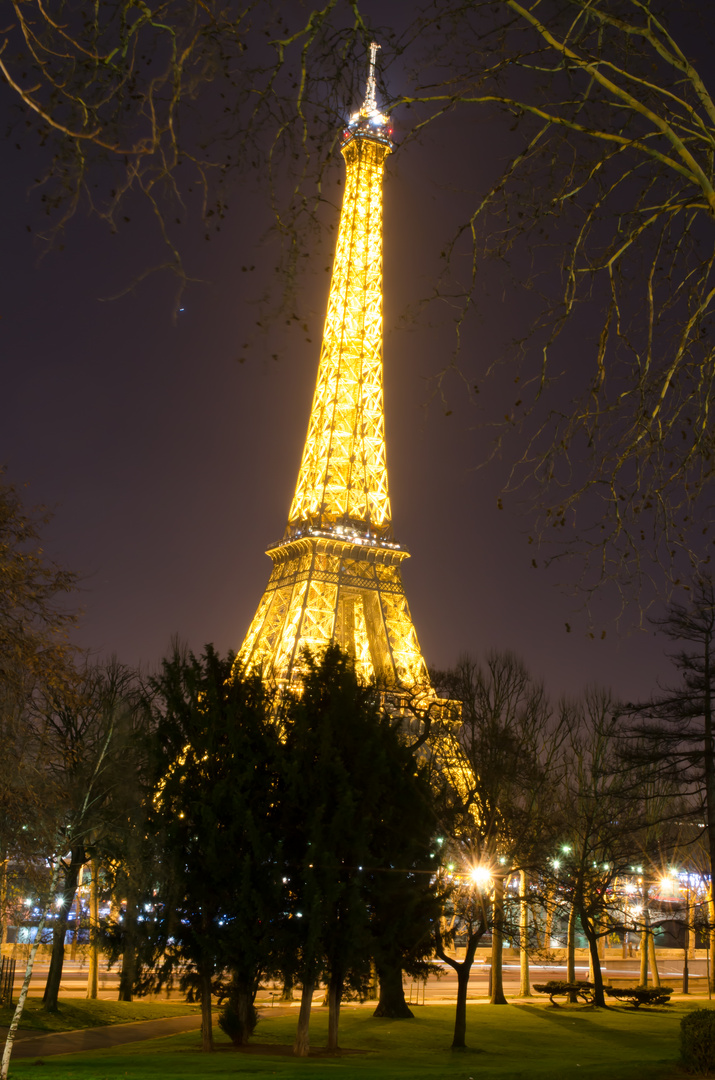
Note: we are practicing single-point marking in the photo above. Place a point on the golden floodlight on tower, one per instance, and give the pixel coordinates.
(336, 572)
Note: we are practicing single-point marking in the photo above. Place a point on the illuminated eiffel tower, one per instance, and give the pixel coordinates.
(336, 572)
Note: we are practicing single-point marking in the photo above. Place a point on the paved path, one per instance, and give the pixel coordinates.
(30, 1044)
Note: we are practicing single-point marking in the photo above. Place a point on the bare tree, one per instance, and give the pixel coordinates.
(673, 732)
(500, 759)
(34, 616)
(155, 108)
(608, 815)
(77, 773)
(36, 657)
(84, 732)
(612, 169)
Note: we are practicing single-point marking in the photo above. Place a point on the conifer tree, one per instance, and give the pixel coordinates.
(353, 792)
(212, 820)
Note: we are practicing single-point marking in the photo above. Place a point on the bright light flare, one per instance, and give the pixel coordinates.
(480, 876)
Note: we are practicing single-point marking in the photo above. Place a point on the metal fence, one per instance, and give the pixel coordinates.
(7, 979)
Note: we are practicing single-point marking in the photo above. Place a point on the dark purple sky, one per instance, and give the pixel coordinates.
(171, 465)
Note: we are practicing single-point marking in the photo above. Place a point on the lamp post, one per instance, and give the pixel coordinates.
(496, 996)
(686, 943)
(524, 988)
(481, 878)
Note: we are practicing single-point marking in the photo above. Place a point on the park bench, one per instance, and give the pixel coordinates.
(560, 988)
(640, 995)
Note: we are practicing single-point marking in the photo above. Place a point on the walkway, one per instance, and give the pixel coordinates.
(29, 1044)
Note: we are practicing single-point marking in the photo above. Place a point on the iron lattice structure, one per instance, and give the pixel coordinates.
(336, 572)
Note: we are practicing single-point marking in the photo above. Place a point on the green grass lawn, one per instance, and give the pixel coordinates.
(76, 1013)
(515, 1042)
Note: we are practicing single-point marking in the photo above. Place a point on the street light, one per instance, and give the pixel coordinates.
(480, 876)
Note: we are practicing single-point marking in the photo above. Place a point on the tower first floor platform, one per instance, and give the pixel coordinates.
(326, 587)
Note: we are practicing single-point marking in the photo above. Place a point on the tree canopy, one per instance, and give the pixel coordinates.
(34, 614)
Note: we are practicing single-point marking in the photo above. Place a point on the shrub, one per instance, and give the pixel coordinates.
(233, 1025)
(641, 995)
(697, 1041)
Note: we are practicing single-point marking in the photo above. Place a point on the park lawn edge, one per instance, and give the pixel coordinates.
(77, 1013)
(528, 1039)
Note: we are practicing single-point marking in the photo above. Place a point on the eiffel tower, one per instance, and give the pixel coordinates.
(336, 572)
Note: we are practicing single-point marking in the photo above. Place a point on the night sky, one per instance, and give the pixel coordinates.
(170, 464)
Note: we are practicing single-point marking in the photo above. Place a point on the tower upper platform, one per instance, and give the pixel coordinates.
(368, 122)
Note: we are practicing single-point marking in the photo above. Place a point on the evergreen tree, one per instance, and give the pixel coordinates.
(352, 792)
(212, 819)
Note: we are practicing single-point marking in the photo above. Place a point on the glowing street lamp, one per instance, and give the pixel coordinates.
(480, 876)
(669, 886)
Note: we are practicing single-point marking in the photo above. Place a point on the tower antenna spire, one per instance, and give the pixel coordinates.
(370, 104)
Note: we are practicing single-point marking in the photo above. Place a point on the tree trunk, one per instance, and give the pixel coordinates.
(462, 971)
(709, 770)
(602, 938)
(600, 954)
(335, 993)
(524, 987)
(66, 895)
(287, 993)
(245, 995)
(57, 959)
(550, 905)
(17, 1015)
(392, 1002)
(127, 977)
(3, 901)
(301, 1045)
(571, 952)
(497, 994)
(711, 937)
(77, 921)
(651, 954)
(207, 1028)
(93, 973)
(373, 985)
(598, 995)
(460, 1018)
(644, 936)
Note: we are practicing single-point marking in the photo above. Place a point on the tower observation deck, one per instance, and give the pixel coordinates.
(336, 572)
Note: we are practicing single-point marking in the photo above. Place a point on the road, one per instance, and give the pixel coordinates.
(441, 985)
(74, 980)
